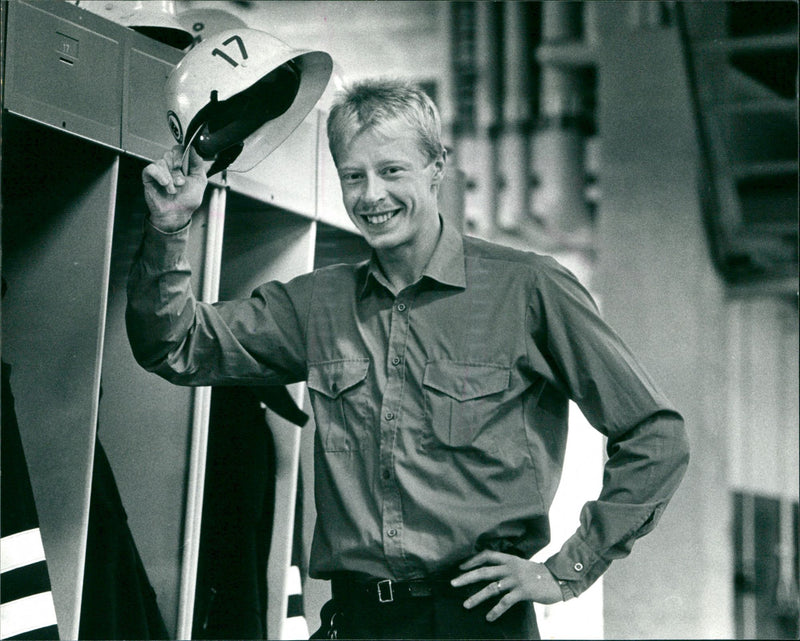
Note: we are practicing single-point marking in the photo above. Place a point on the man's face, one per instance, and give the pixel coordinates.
(389, 187)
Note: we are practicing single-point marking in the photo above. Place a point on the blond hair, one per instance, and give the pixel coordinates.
(380, 103)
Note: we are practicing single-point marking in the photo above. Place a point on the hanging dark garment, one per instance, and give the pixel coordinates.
(26, 600)
(238, 508)
(280, 401)
(295, 605)
(118, 601)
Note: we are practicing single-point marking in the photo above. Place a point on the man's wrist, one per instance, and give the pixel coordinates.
(168, 226)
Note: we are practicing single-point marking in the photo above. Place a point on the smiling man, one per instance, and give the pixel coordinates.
(440, 372)
(390, 170)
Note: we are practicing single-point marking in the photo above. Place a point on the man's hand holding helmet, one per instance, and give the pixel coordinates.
(173, 192)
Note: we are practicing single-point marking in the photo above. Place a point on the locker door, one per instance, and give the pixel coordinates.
(58, 210)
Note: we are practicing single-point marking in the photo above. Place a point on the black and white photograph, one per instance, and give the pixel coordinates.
(377, 319)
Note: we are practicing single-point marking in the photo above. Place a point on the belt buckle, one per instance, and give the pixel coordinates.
(382, 596)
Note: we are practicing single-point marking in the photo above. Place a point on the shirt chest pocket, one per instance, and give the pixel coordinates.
(463, 399)
(339, 399)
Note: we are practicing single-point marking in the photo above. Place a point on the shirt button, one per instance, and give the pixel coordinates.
(396, 360)
(401, 307)
(578, 566)
(386, 474)
(389, 416)
(391, 532)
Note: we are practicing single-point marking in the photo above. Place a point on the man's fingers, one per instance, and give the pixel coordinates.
(483, 573)
(482, 558)
(507, 598)
(196, 166)
(168, 172)
(502, 606)
(494, 589)
(510, 580)
(159, 173)
(174, 157)
(481, 595)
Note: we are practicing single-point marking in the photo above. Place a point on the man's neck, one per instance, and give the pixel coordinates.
(404, 265)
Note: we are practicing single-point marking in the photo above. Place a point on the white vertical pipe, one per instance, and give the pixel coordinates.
(514, 144)
(200, 419)
(287, 465)
(287, 468)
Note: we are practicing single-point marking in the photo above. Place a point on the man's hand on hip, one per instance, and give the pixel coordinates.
(512, 578)
(173, 191)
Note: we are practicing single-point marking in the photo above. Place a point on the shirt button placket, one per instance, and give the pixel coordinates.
(392, 514)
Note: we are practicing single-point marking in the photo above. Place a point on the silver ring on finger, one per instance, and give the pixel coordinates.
(499, 587)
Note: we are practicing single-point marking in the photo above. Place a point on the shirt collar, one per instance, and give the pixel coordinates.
(446, 265)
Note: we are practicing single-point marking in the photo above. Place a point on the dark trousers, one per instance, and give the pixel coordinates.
(441, 615)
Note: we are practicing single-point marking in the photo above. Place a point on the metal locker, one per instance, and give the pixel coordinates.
(64, 69)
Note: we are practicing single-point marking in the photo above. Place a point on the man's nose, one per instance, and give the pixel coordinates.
(374, 190)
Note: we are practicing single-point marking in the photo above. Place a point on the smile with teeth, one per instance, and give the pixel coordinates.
(380, 218)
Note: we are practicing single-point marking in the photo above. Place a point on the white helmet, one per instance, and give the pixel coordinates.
(238, 94)
(203, 22)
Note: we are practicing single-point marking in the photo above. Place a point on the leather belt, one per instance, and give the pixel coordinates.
(385, 590)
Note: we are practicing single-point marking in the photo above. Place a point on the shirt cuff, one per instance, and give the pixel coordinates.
(149, 222)
(576, 566)
(567, 592)
(162, 249)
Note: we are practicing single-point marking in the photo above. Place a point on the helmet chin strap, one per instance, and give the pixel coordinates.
(223, 126)
(185, 157)
(221, 160)
(225, 158)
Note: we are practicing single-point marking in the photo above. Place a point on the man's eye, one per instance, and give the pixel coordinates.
(350, 178)
(391, 171)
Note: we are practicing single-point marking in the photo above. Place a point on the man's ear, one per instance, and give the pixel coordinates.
(439, 165)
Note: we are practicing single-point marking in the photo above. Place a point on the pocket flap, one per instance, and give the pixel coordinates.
(465, 381)
(331, 378)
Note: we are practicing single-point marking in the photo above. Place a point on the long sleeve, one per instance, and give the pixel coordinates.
(647, 444)
(258, 340)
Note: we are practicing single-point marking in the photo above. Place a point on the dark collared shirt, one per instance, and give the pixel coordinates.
(441, 412)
